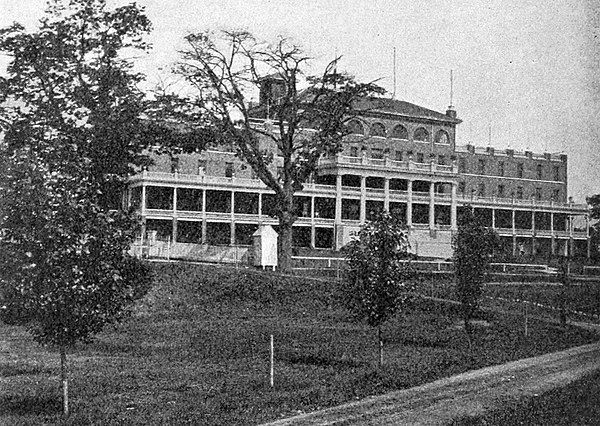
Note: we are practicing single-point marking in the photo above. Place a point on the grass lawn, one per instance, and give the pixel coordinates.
(196, 351)
(575, 404)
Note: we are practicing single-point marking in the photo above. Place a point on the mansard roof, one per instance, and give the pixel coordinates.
(402, 108)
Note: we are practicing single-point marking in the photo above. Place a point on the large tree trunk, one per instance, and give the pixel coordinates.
(285, 246)
(64, 379)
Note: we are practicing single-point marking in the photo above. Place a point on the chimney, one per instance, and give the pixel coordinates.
(451, 112)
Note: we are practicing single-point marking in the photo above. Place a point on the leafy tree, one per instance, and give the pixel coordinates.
(474, 245)
(377, 286)
(71, 125)
(226, 68)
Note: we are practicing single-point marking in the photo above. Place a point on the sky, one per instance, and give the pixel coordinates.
(526, 72)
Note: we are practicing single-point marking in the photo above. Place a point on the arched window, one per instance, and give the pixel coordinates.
(442, 137)
(378, 129)
(355, 127)
(421, 135)
(400, 132)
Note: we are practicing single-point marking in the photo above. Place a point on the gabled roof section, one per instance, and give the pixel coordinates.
(401, 108)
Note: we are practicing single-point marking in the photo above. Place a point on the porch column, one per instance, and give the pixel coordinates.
(174, 230)
(338, 199)
(453, 216)
(514, 233)
(260, 194)
(312, 222)
(232, 219)
(552, 236)
(432, 205)
(386, 191)
(363, 199)
(409, 204)
(204, 239)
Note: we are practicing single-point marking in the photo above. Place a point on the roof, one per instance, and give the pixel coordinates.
(397, 107)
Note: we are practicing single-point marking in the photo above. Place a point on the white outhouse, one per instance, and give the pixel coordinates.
(265, 246)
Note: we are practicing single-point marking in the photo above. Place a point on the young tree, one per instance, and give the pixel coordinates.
(227, 68)
(70, 123)
(474, 245)
(377, 285)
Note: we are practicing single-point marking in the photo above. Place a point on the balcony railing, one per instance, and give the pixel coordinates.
(387, 163)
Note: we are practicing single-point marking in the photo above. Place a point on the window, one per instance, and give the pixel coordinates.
(501, 168)
(501, 191)
(461, 187)
(201, 167)
(555, 194)
(441, 160)
(481, 167)
(377, 153)
(353, 151)
(356, 128)
(421, 135)
(538, 171)
(442, 137)
(462, 165)
(520, 170)
(378, 129)
(228, 169)
(538, 193)
(420, 157)
(519, 194)
(400, 132)
(398, 155)
(174, 165)
(481, 190)
(556, 173)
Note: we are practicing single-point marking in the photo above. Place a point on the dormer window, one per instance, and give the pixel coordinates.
(400, 132)
(421, 135)
(378, 129)
(442, 137)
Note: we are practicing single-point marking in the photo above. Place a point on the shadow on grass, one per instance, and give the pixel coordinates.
(24, 405)
(9, 370)
(321, 361)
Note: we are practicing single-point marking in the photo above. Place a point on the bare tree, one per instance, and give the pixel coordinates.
(304, 119)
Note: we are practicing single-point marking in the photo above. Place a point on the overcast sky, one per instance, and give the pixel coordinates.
(530, 70)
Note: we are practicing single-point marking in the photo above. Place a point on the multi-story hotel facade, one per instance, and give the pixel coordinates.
(399, 157)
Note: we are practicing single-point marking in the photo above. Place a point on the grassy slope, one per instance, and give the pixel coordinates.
(196, 352)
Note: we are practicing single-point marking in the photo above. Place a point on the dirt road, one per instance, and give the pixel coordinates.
(466, 394)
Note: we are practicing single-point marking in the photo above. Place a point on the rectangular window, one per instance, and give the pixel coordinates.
(442, 160)
(555, 194)
(353, 151)
(462, 165)
(501, 191)
(481, 167)
(398, 155)
(519, 194)
(461, 187)
(539, 170)
(201, 167)
(174, 165)
(420, 157)
(501, 169)
(538, 193)
(481, 190)
(520, 170)
(556, 173)
(377, 153)
(228, 169)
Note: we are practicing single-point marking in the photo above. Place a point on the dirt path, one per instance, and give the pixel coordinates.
(466, 394)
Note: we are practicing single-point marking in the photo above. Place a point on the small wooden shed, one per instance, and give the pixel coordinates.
(265, 246)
